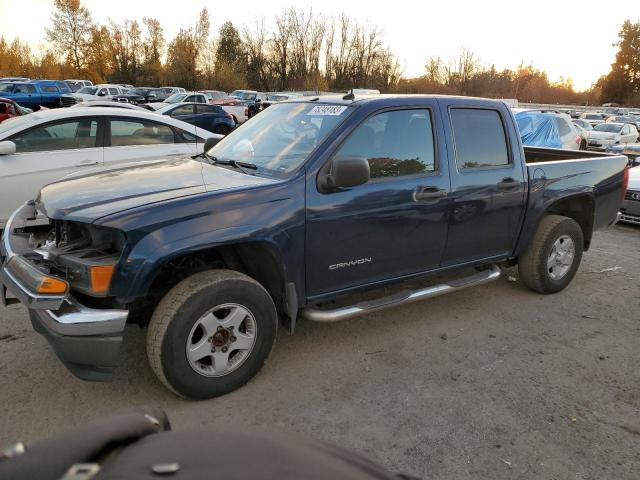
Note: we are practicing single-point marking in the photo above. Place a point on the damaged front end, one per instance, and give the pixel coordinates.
(61, 271)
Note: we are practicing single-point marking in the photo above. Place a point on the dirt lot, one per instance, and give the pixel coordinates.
(493, 382)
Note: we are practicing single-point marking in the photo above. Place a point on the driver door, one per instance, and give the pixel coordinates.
(395, 224)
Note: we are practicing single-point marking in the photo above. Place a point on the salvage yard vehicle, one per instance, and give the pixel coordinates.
(630, 209)
(607, 134)
(104, 91)
(548, 129)
(250, 99)
(10, 109)
(292, 215)
(208, 117)
(191, 97)
(35, 93)
(43, 147)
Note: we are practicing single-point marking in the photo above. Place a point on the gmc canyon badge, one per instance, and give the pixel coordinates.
(350, 263)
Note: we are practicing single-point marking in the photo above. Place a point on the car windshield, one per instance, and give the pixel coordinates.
(608, 127)
(175, 98)
(593, 116)
(278, 98)
(140, 91)
(242, 95)
(281, 138)
(88, 90)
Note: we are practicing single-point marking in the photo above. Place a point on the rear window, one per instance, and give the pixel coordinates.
(479, 138)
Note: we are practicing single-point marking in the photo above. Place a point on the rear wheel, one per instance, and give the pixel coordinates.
(211, 333)
(554, 255)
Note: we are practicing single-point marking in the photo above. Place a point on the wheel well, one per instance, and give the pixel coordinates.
(255, 259)
(581, 209)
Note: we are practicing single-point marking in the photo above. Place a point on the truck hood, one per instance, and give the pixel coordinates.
(86, 198)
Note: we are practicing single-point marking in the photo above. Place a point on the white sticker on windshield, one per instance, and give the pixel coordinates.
(327, 110)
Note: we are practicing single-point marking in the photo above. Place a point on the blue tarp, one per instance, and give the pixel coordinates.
(538, 129)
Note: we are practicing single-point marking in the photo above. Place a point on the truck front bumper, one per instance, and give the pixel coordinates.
(87, 340)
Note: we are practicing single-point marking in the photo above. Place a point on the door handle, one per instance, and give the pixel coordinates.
(428, 193)
(87, 163)
(508, 184)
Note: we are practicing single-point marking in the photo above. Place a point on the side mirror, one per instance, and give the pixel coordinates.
(348, 171)
(7, 147)
(211, 142)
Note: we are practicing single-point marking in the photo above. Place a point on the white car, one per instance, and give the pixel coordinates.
(606, 134)
(187, 97)
(99, 92)
(42, 147)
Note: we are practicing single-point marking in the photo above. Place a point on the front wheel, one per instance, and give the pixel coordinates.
(554, 255)
(211, 333)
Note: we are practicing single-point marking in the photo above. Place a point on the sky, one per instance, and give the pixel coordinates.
(564, 38)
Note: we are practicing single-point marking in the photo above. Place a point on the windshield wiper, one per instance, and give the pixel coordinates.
(234, 163)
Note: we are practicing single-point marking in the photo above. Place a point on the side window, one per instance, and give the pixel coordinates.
(202, 108)
(563, 127)
(31, 89)
(60, 136)
(113, 91)
(139, 132)
(50, 89)
(182, 110)
(188, 137)
(395, 143)
(479, 138)
(103, 91)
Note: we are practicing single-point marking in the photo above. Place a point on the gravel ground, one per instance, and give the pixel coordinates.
(493, 382)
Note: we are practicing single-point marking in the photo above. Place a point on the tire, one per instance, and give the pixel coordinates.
(182, 312)
(554, 231)
(222, 130)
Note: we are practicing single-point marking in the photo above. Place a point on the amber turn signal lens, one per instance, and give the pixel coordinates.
(53, 285)
(101, 278)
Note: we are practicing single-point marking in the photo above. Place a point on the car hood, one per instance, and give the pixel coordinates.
(88, 197)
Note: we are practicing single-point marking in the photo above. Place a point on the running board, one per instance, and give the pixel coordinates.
(401, 298)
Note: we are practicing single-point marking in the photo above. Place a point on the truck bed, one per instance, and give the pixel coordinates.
(539, 154)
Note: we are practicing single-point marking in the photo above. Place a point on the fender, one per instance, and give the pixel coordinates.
(137, 269)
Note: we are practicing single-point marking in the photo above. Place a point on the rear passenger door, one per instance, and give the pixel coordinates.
(487, 183)
(131, 139)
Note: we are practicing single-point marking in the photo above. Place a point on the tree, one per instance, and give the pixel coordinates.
(70, 34)
(153, 49)
(231, 62)
(623, 82)
(184, 51)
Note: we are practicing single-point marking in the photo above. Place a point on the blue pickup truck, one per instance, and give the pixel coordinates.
(35, 93)
(319, 208)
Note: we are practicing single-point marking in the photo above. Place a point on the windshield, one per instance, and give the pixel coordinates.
(166, 108)
(593, 116)
(140, 91)
(608, 127)
(88, 90)
(281, 138)
(175, 98)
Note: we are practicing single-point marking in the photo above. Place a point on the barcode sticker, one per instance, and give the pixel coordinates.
(327, 110)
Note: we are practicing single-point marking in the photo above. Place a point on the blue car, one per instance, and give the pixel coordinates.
(208, 117)
(35, 93)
